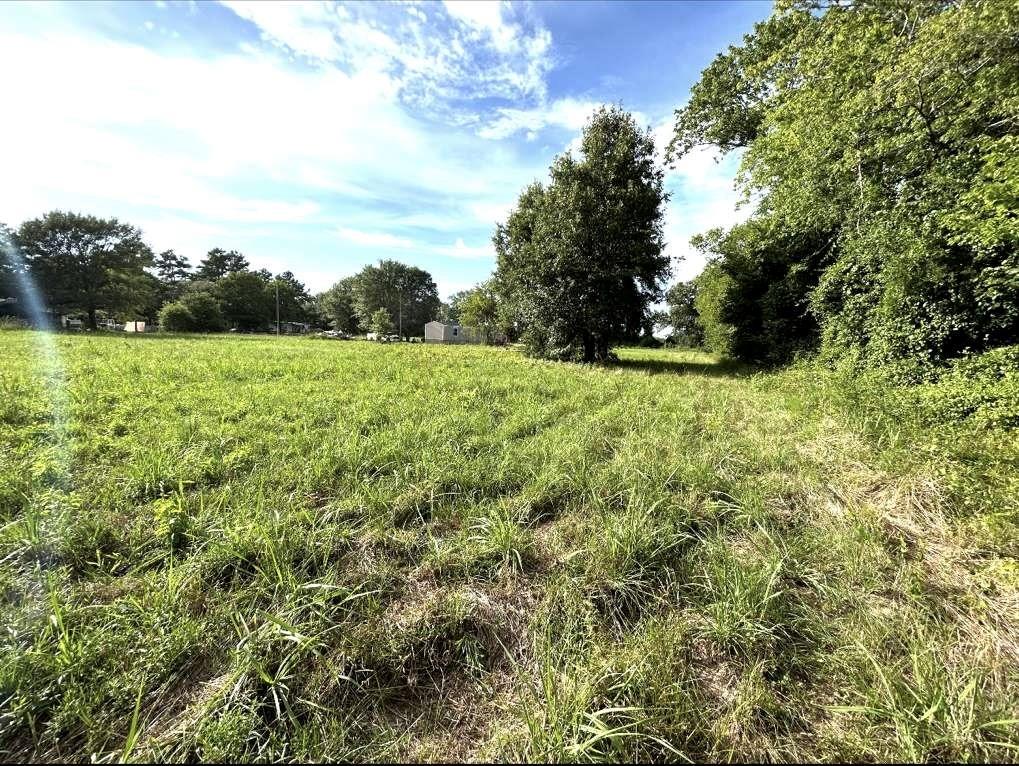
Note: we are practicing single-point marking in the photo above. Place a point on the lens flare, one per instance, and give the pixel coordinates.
(49, 495)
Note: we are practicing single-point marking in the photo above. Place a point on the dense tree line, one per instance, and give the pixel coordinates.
(102, 268)
(881, 139)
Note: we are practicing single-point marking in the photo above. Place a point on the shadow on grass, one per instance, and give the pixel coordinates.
(723, 369)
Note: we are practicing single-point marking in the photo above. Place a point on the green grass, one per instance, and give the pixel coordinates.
(287, 549)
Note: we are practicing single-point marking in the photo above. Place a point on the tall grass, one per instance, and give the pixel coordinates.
(290, 549)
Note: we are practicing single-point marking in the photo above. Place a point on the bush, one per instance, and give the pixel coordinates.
(175, 317)
(207, 313)
(981, 389)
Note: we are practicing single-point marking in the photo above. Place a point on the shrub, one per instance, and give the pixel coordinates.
(207, 313)
(175, 317)
(982, 389)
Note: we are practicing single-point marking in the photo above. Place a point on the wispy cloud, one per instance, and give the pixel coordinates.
(375, 239)
(460, 250)
(569, 113)
(318, 135)
(439, 57)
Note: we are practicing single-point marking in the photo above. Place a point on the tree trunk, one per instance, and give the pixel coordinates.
(92, 325)
(589, 348)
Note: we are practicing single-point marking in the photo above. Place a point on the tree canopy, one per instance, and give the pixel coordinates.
(407, 293)
(682, 315)
(480, 308)
(218, 263)
(580, 261)
(246, 300)
(337, 305)
(380, 323)
(880, 139)
(84, 263)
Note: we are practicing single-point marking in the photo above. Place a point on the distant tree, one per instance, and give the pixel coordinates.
(149, 298)
(337, 304)
(205, 310)
(172, 274)
(85, 263)
(293, 297)
(445, 313)
(247, 301)
(582, 259)
(10, 284)
(218, 263)
(176, 317)
(455, 305)
(682, 315)
(480, 308)
(380, 323)
(711, 300)
(171, 268)
(408, 294)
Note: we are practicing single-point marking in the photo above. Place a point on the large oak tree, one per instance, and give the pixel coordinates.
(84, 263)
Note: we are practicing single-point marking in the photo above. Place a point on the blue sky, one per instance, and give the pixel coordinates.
(319, 137)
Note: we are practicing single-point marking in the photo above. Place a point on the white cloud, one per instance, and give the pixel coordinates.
(479, 53)
(490, 213)
(386, 241)
(485, 16)
(460, 249)
(306, 27)
(375, 239)
(704, 197)
(569, 113)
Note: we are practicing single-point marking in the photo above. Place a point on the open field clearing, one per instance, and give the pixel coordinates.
(257, 548)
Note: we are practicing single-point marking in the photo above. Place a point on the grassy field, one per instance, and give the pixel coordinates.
(251, 548)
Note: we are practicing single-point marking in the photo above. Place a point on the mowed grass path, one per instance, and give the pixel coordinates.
(274, 549)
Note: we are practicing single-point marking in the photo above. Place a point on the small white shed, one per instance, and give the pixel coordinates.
(440, 332)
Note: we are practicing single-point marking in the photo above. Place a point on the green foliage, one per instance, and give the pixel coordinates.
(580, 262)
(407, 293)
(687, 329)
(173, 271)
(714, 286)
(84, 263)
(380, 322)
(764, 305)
(247, 302)
(218, 263)
(9, 282)
(293, 297)
(886, 135)
(176, 317)
(337, 305)
(205, 309)
(480, 308)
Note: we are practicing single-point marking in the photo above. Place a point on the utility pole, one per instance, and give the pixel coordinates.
(277, 307)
